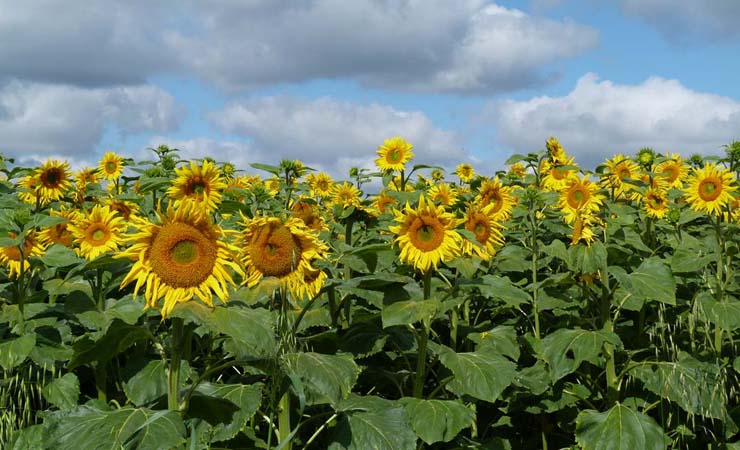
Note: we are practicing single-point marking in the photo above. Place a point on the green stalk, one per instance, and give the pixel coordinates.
(101, 381)
(612, 381)
(173, 379)
(284, 421)
(421, 361)
(535, 269)
(100, 298)
(718, 334)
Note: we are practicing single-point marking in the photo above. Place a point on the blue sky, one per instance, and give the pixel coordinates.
(326, 81)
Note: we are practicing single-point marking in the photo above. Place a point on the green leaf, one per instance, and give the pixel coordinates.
(564, 350)
(483, 374)
(695, 386)
(363, 339)
(502, 339)
(119, 337)
(15, 351)
(126, 309)
(247, 397)
(373, 423)
(63, 392)
(408, 312)
(619, 428)
(327, 378)
(59, 256)
(437, 420)
(87, 428)
(148, 384)
(500, 288)
(587, 259)
(725, 314)
(688, 258)
(275, 170)
(214, 410)
(653, 280)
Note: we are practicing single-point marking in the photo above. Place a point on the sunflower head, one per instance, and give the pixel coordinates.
(481, 221)
(674, 170)
(181, 257)
(10, 257)
(97, 232)
(555, 151)
(200, 184)
(710, 189)
(656, 203)
(579, 198)
(646, 157)
(426, 235)
(320, 185)
(60, 233)
(443, 194)
(438, 175)
(53, 180)
(383, 203)
(394, 154)
(517, 170)
(346, 195)
(465, 172)
(492, 192)
(110, 166)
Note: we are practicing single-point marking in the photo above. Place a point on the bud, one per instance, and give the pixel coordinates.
(646, 156)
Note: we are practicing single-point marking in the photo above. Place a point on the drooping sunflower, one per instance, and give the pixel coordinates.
(710, 188)
(517, 170)
(110, 166)
(124, 208)
(382, 203)
(556, 152)
(394, 154)
(580, 197)
(443, 194)
(99, 231)
(85, 176)
(308, 284)
(28, 190)
(481, 221)
(674, 170)
(10, 257)
(283, 249)
(200, 184)
(181, 257)
(656, 203)
(273, 185)
(53, 180)
(619, 170)
(426, 235)
(465, 172)
(60, 233)
(493, 192)
(583, 231)
(309, 214)
(555, 174)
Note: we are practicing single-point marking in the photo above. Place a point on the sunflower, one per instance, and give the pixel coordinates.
(181, 257)
(86, 176)
(438, 174)
(493, 192)
(619, 170)
(99, 231)
(656, 203)
(320, 185)
(11, 256)
(394, 154)
(60, 233)
(382, 203)
(309, 214)
(28, 190)
(199, 184)
(273, 185)
(308, 284)
(465, 172)
(555, 151)
(280, 249)
(709, 189)
(674, 170)
(555, 175)
(583, 229)
(346, 195)
(123, 208)
(426, 235)
(481, 221)
(443, 194)
(111, 166)
(53, 180)
(517, 170)
(580, 197)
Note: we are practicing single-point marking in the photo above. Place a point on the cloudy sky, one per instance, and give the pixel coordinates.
(326, 81)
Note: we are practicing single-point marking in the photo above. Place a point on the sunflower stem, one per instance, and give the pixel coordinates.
(284, 421)
(173, 379)
(720, 289)
(101, 381)
(99, 297)
(535, 269)
(423, 337)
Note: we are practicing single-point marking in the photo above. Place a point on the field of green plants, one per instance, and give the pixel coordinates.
(178, 304)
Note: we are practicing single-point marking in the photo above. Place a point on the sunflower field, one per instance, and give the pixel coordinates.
(184, 304)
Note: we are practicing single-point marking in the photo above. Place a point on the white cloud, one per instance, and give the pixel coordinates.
(686, 20)
(46, 119)
(334, 135)
(600, 118)
(464, 46)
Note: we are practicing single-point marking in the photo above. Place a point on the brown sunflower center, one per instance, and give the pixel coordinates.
(671, 173)
(479, 226)
(560, 173)
(196, 186)
(182, 256)
(577, 197)
(111, 167)
(394, 156)
(275, 251)
(97, 234)
(710, 188)
(623, 172)
(426, 233)
(322, 185)
(52, 178)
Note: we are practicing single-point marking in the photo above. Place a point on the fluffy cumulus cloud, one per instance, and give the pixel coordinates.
(686, 20)
(43, 120)
(334, 135)
(463, 46)
(600, 118)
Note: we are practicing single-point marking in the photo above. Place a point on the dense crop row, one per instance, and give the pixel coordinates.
(183, 304)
